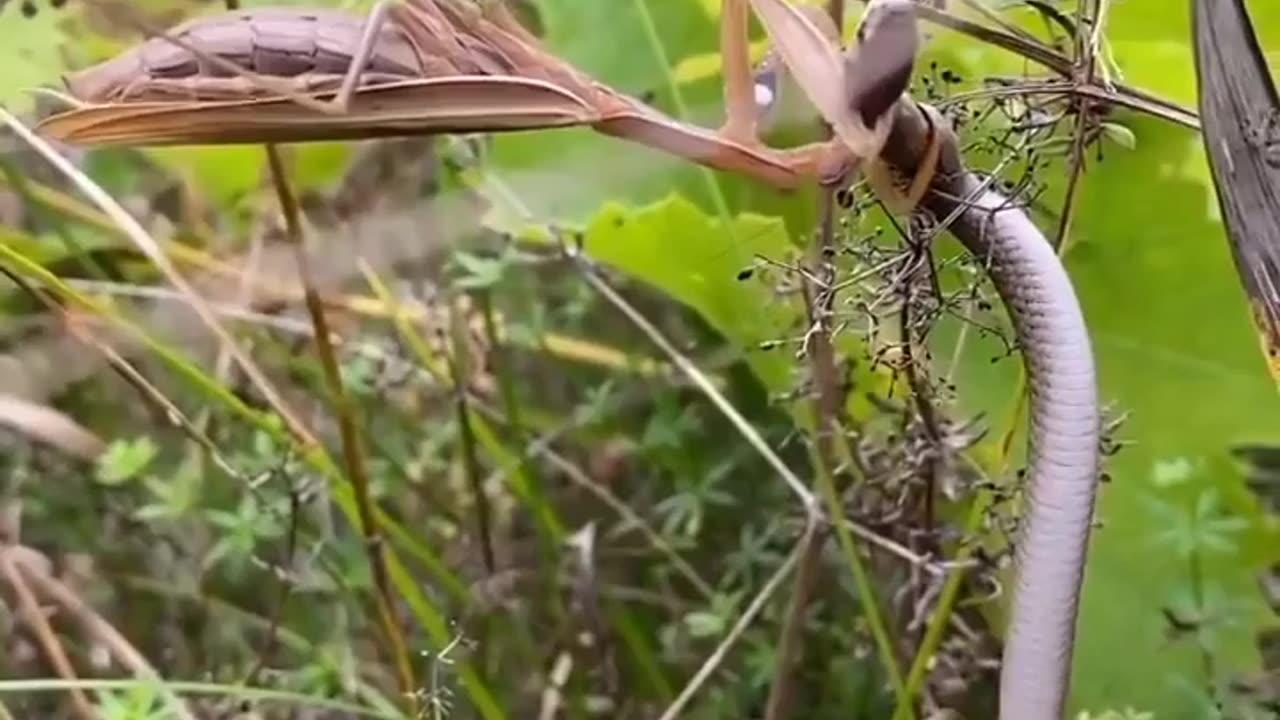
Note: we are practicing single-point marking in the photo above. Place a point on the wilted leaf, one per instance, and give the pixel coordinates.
(1240, 114)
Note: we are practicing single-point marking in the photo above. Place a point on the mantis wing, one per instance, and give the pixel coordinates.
(414, 107)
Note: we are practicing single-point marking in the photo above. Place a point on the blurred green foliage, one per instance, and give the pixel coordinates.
(1180, 530)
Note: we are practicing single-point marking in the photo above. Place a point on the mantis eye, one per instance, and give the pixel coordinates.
(766, 91)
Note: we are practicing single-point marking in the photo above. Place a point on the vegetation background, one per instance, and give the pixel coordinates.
(182, 557)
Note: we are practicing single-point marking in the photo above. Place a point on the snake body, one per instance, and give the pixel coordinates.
(1064, 455)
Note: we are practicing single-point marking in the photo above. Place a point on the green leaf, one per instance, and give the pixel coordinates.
(125, 460)
(225, 174)
(704, 624)
(675, 247)
(479, 272)
(1167, 473)
(1120, 135)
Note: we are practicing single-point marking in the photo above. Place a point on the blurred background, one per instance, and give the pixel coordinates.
(572, 526)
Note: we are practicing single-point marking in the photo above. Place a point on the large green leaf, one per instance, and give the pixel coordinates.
(687, 254)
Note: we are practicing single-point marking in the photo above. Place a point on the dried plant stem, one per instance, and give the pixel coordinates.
(1083, 68)
(34, 617)
(808, 550)
(152, 250)
(102, 631)
(578, 477)
(826, 414)
(458, 370)
(50, 426)
(791, 646)
(828, 440)
(1038, 52)
(352, 454)
(748, 616)
(704, 384)
(127, 372)
(941, 615)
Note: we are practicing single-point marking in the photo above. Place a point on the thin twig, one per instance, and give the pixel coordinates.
(791, 644)
(127, 372)
(578, 477)
(1038, 52)
(458, 369)
(34, 617)
(99, 629)
(713, 660)
(700, 380)
(1028, 88)
(500, 360)
(352, 454)
(1084, 72)
(828, 410)
(827, 413)
(152, 250)
(50, 426)
(272, 641)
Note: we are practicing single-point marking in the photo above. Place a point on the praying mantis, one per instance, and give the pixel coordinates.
(426, 66)
(445, 66)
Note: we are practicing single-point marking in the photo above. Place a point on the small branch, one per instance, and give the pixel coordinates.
(96, 626)
(50, 426)
(352, 453)
(1083, 71)
(35, 619)
(1027, 88)
(458, 365)
(272, 640)
(500, 360)
(152, 250)
(714, 660)
(578, 477)
(703, 383)
(827, 410)
(1038, 52)
(791, 646)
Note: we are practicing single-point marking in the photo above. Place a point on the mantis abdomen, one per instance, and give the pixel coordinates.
(312, 48)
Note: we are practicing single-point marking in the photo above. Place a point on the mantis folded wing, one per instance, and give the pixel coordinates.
(409, 107)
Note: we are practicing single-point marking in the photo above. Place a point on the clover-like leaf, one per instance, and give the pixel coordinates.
(125, 460)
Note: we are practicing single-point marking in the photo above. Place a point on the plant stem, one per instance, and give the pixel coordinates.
(352, 454)
(459, 370)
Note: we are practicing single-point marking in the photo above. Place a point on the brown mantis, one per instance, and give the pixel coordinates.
(416, 67)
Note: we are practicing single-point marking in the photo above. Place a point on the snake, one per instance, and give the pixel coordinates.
(1064, 450)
